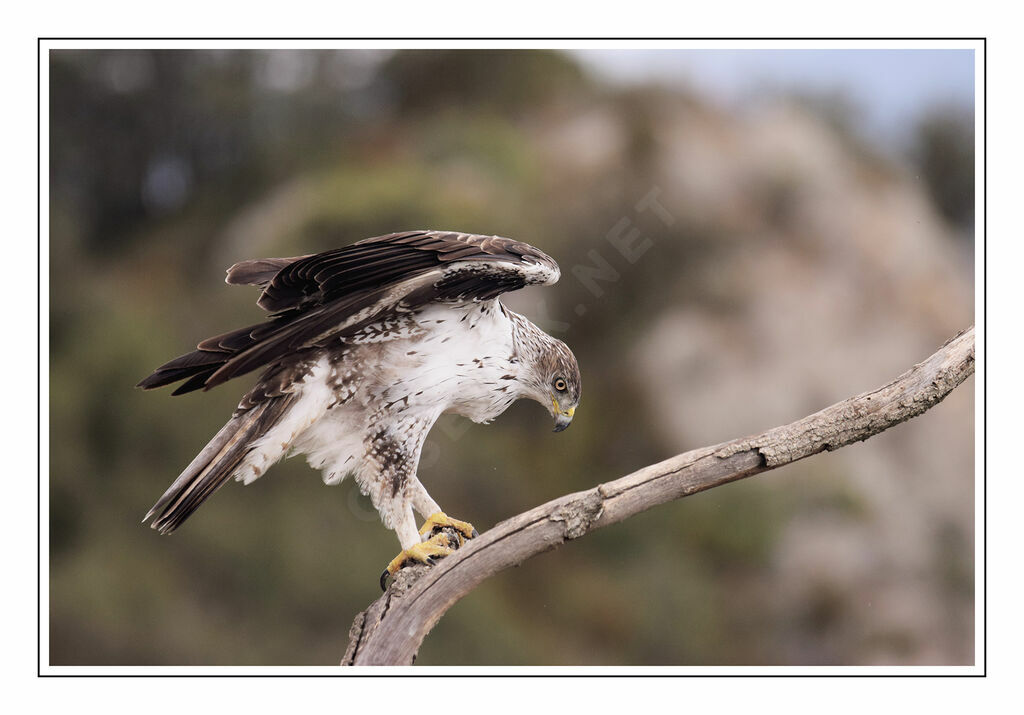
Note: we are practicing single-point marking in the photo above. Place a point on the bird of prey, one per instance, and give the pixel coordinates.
(364, 348)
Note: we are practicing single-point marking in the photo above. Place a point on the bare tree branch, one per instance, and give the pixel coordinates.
(391, 630)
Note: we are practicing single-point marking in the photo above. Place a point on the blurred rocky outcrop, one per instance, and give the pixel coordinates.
(841, 275)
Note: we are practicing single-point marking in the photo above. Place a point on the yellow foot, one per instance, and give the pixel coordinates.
(439, 520)
(438, 545)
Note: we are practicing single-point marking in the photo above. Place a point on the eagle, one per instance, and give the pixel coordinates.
(364, 348)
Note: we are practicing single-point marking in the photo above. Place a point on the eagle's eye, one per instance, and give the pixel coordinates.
(560, 385)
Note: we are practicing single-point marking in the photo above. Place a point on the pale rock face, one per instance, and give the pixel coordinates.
(859, 281)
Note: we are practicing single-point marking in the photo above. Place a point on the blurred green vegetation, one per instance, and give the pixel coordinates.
(168, 166)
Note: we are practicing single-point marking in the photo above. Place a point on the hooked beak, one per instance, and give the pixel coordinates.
(563, 418)
(561, 422)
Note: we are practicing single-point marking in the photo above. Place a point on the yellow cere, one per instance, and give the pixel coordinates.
(568, 413)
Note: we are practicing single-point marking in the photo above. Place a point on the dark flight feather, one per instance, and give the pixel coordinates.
(258, 272)
(314, 297)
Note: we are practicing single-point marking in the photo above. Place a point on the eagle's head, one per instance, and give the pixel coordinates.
(553, 380)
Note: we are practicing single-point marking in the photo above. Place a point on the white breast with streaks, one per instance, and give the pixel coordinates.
(460, 360)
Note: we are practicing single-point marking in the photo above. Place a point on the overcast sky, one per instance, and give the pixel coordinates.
(890, 87)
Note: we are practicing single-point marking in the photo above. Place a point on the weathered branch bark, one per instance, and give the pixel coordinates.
(391, 630)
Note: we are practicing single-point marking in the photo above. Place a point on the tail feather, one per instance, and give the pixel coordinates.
(215, 464)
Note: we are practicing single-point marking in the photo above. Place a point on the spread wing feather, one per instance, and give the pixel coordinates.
(257, 272)
(330, 295)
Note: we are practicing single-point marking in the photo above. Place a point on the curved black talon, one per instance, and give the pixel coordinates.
(383, 580)
(474, 534)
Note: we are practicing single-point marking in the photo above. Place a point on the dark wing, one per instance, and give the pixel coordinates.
(385, 260)
(329, 295)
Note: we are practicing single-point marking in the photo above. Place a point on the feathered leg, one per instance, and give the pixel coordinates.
(388, 475)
